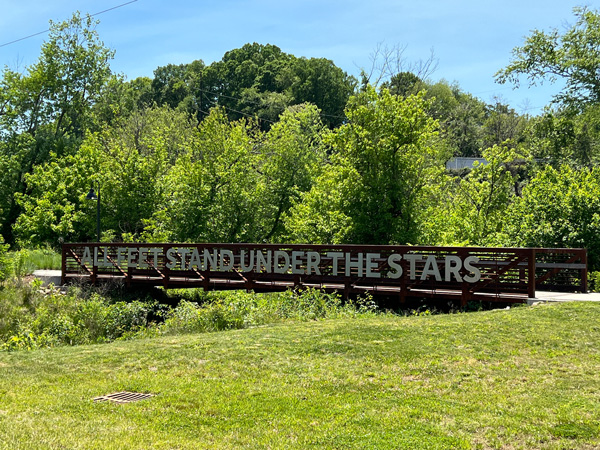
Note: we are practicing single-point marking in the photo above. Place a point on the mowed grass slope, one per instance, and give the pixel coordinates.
(522, 378)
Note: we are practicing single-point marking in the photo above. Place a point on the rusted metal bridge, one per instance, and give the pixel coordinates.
(402, 272)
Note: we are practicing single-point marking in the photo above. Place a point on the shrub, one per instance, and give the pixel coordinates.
(122, 317)
(17, 307)
(31, 317)
(594, 281)
(214, 311)
(214, 316)
(4, 260)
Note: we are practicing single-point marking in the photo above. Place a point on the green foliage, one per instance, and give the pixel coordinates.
(137, 156)
(594, 281)
(56, 207)
(25, 261)
(223, 311)
(257, 81)
(390, 143)
(4, 260)
(503, 126)
(558, 208)
(120, 99)
(470, 210)
(236, 183)
(68, 78)
(214, 190)
(321, 216)
(292, 155)
(191, 318)
(573, 56)
(381, 161)
(130, 162)
(466, 124)
(32, 317)
(185, 171)
(47, 109)
(565, 137)
(463, 126)
(319, 81)
(404, 84)
(173, 85)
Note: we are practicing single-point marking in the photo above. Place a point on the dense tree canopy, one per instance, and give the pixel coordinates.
(47, 109)
(389, 141)
(257, 81)
(558, 208)
(265, 146)
(383, 158)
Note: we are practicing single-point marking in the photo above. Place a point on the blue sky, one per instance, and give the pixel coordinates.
(471, 39)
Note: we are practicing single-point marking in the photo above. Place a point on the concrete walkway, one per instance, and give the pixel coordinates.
(542, 296)
(48, 276)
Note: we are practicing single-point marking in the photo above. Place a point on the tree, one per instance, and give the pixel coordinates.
(176, 85)
(213, 192)
(463, 128)
(404, 84)
(48, 108)
(244, 80)
(461, 116)
(130, 161)
(503, 126)
(564, 136)
(120, 99)
(573, 56)
(256, 81)
(558, 208)
(321, 82)
(470, 210)
(61, 87)
(385, 155)
(292, 156)
(321, 215)
(55, 208)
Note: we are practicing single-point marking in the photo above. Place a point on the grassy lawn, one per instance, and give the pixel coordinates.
(522, 378)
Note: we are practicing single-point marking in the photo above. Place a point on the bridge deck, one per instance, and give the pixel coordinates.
(452, 273)
(221, 284)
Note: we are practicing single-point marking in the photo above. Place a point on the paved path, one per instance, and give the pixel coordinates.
(542, 296)
(48, 276)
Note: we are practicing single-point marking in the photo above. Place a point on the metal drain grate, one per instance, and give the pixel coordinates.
(123, 397)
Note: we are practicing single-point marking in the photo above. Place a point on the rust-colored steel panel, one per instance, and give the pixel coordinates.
(462, 273)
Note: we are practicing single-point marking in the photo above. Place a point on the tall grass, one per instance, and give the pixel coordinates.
(31, 317)
(200, 311)
(24, 262)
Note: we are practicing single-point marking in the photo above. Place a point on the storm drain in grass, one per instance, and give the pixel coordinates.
(123, 397)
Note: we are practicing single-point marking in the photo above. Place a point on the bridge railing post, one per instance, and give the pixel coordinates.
(63, 266)
(584, 272)
(531, 273)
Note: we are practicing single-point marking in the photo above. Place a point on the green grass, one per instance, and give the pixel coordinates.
(26, 261)
(522, 378)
